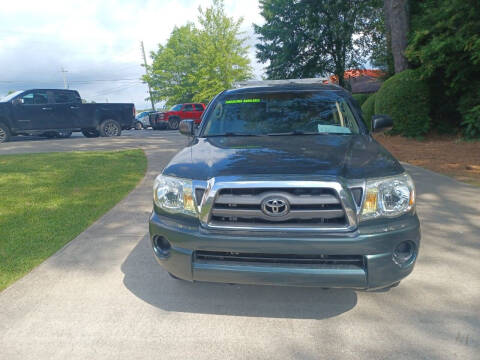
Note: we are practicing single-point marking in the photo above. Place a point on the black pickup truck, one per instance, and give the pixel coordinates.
(283, 184)
(52, 112)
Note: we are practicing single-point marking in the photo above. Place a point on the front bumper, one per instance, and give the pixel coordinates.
(374, 243)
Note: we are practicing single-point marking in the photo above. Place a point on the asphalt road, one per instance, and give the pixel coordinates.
(104, 297)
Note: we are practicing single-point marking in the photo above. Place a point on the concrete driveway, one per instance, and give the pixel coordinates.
(131, 139)
(104, 296)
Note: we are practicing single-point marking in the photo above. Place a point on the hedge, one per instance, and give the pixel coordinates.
(368, 109)
(360, 98)
(406, 98)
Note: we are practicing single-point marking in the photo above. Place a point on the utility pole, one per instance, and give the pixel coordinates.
(146, 73)
(65, 82)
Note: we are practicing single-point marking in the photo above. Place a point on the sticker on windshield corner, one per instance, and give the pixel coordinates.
(242, 101)
(332, 129)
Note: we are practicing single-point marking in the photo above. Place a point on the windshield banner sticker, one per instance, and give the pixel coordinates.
(242, 101)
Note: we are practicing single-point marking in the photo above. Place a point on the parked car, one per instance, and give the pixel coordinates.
(171, 118)
(285, 185)
(142, 120)
(52, 111)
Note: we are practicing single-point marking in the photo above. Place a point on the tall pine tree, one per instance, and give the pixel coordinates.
(311, 38)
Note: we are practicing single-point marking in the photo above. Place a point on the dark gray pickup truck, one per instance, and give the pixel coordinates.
(55, 112)
(284, 185)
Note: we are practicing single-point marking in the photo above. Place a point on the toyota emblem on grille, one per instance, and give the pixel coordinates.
(275, 206)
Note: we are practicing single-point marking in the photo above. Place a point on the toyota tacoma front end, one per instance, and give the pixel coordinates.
(284, 185)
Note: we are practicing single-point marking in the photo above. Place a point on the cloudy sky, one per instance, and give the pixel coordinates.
(97, 42)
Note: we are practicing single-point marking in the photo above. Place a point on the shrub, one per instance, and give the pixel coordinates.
(368, 109)
(360, 98)
(469, 108)
(471, 123)
(406, 98)
(444, 44)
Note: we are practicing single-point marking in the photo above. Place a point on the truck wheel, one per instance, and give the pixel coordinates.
(90, 133)
(4, 133)
(110, 128)
(173, 123)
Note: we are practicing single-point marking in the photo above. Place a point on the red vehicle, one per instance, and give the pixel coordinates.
(171, 118)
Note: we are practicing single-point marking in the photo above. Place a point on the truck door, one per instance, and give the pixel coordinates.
(187, 112)
(33, 111)
(197, 113)
(67, 104)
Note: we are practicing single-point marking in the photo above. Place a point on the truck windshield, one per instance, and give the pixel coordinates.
(177, 107)
(281, 113)
(10, 96)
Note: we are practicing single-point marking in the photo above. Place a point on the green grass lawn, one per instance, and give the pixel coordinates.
(46, 200)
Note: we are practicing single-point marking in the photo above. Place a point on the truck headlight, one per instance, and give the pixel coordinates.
(388, 197)
(174, 195)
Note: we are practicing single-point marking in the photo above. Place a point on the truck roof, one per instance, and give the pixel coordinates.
(43, 89)
(282, 85)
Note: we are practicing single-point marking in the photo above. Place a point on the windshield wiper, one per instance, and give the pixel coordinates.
(227, 134)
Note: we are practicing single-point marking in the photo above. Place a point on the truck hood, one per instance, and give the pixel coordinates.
(348, 156)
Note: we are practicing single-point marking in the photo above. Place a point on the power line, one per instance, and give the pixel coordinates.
(71, 81)
(95, 80)
(114, 90)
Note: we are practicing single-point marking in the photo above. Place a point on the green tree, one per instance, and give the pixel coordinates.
(310, 38)
(196, 63)
(172, 73)
(223, 52)
(445, 46)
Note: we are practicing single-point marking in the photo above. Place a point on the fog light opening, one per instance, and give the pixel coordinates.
(404, 253)
(162, 246)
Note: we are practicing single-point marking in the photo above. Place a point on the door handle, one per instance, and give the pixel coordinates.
(46, 108)
(74, 107)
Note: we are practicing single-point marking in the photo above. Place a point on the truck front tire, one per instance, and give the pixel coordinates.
(173, 123)
(4, 133)
(110, 128)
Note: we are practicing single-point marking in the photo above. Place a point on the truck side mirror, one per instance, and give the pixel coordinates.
(187, 127)
(380, 122)
(17, 101)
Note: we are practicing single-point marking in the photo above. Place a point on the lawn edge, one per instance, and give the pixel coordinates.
(60, 250)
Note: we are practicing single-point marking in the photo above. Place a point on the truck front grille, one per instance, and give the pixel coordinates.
(307, 207)
(284, 260)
